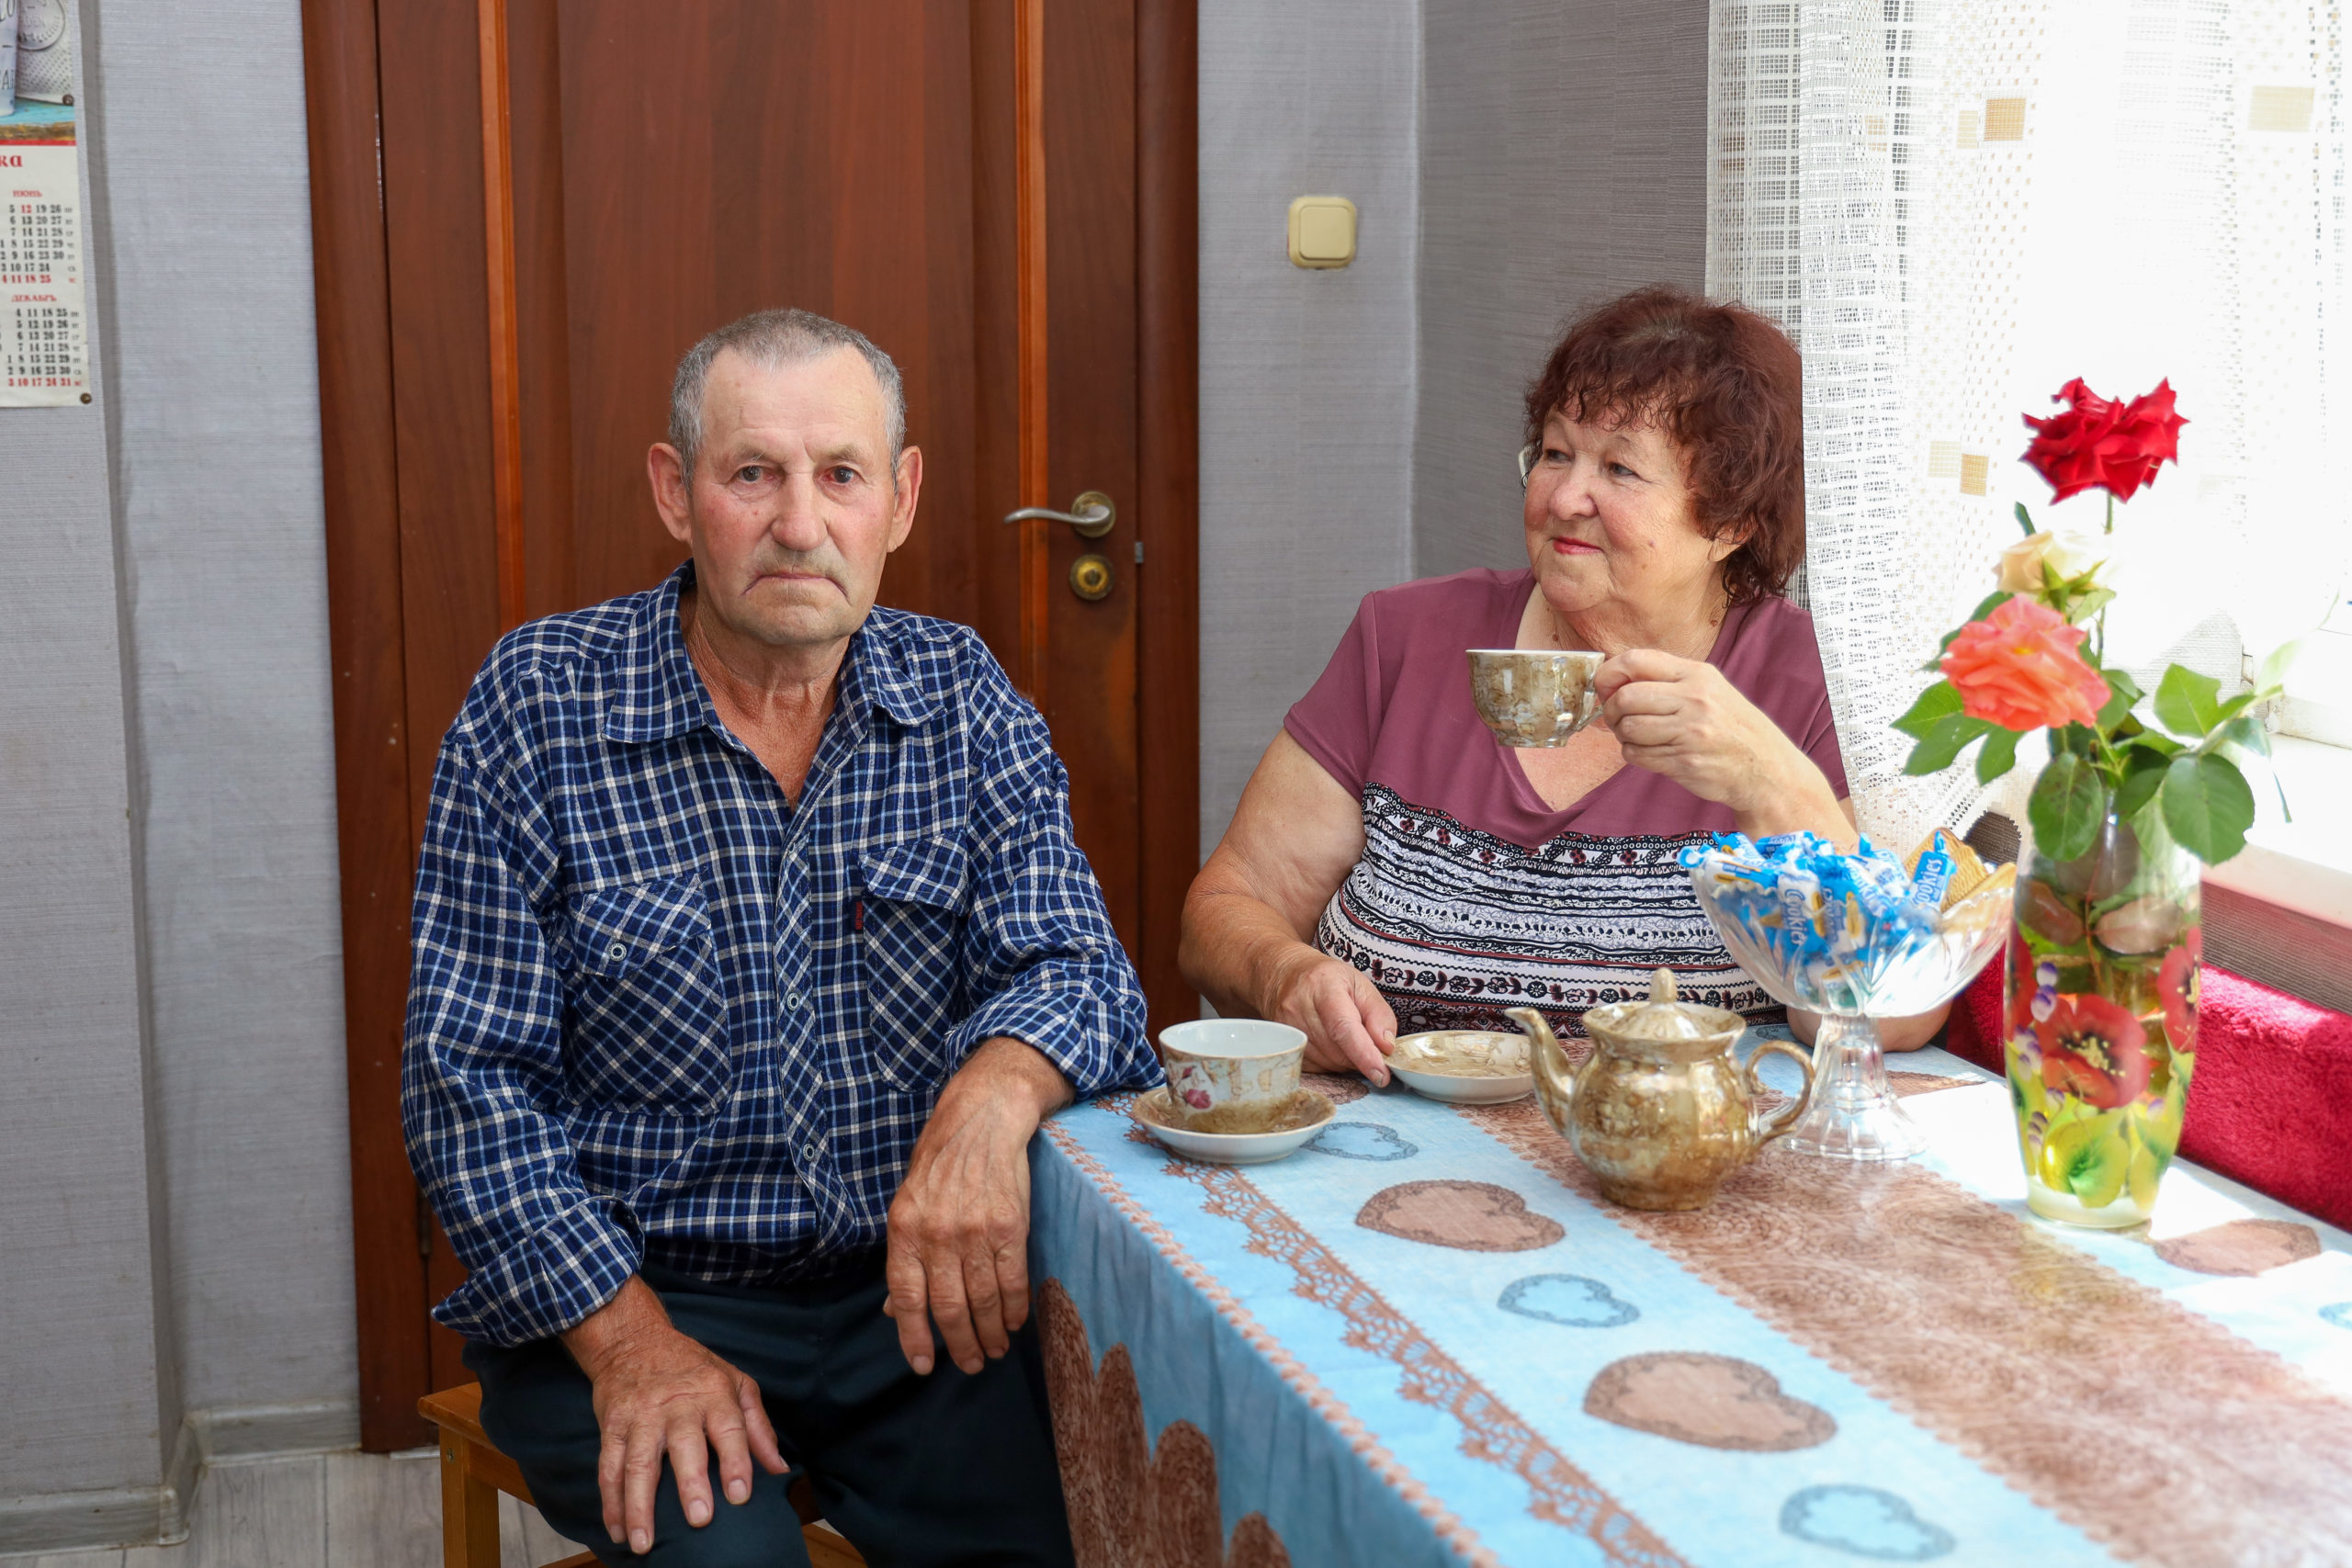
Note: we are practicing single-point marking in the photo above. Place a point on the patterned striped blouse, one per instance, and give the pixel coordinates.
(1472, 895)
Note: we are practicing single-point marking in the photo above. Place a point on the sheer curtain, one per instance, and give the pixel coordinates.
(1954, 207)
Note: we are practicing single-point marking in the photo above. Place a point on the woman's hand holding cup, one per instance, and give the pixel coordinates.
(1681, 718)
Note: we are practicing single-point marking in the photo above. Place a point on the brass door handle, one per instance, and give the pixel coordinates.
(1092, 515)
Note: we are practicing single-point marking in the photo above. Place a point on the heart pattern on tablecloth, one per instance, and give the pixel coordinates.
(1128, 1504)
(1865, 1521)
(1476, 1216)
(1364, 1140)
(2240, 1248)
(1715, 1402)
(1568, 1299)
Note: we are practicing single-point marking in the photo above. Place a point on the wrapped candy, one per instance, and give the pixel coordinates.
(1838, 918)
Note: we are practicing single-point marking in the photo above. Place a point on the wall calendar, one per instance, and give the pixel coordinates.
(44, 341)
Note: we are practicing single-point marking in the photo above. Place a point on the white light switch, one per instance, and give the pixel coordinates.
(1322, 232)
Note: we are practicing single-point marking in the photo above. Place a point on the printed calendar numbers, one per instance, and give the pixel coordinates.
(44, 352)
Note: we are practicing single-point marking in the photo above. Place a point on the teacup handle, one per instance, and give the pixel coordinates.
(1786, 1119)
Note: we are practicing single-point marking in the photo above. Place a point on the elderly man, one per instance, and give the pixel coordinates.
(751, 947)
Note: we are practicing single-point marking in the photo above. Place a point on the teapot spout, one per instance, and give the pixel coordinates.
(1554, 1080)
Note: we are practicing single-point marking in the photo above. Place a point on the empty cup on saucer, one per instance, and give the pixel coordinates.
(1231, 1075)
(1534, 696)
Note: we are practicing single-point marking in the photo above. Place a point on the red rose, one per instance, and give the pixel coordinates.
(2019, 666)
(2097, 443)
(2095, 1050)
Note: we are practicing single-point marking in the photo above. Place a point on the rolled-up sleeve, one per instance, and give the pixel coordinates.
(1044, 965)
(481, 1076)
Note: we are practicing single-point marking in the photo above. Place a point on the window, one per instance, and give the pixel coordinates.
(1957, 206)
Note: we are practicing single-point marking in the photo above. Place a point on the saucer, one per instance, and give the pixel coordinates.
(1307, 1115)
(1461, 1089)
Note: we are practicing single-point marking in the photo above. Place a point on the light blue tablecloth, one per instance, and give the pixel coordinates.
(1378, 1391)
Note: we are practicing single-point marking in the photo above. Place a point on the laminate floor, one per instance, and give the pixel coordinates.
(342, 1510)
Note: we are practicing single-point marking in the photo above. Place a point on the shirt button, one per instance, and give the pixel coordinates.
(809, 1153)
(619, 950)
(792, 1001)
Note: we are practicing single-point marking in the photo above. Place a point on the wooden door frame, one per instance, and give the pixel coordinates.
(392, 1234)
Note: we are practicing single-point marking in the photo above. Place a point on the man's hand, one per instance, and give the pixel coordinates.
(656, 1391)
(1347, 1024)
(959, 1226)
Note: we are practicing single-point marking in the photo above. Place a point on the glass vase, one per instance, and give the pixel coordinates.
(2100, 1023)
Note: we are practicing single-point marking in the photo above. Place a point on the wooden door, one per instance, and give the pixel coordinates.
(998, 192)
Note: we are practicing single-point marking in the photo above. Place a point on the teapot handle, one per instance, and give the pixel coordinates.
(1786, 1119)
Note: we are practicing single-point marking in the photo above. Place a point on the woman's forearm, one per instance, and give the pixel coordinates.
(1799, 801)
(1236, 949)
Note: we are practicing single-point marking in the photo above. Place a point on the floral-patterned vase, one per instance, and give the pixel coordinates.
(2101, 1023)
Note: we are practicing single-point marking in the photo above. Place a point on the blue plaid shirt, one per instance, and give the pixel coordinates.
(657, 1012)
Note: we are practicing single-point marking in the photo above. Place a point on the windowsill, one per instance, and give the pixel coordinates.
(2304, 865)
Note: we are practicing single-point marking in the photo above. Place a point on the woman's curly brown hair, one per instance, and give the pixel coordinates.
(1725, 385)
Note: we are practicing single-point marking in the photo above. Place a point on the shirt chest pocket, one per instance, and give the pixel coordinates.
(915, 907)
(646, 1024)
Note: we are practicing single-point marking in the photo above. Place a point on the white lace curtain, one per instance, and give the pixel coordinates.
(1956, 205)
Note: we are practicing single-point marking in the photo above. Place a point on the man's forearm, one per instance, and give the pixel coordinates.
(634, 1313)
(1010, 1072)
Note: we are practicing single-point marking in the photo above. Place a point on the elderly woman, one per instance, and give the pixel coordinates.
(1392, 867)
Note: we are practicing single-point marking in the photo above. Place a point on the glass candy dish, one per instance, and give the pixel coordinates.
(1854, 1113)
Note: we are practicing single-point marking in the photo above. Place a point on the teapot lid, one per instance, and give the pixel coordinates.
(1663, 1019)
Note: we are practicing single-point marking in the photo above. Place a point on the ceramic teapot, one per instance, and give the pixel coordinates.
(1661, 1111)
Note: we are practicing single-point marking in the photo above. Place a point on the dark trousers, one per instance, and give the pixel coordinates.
(946, 1469)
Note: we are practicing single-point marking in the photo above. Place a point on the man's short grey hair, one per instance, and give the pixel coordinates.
(772, 340)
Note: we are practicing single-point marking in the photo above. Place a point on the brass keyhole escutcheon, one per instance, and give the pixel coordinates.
(1089, 578)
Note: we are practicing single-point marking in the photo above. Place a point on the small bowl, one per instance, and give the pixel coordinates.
(1432, 1078)
(1534, 696)
(1308, 1114)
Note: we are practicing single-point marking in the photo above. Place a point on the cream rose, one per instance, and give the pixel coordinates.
(2069, 555)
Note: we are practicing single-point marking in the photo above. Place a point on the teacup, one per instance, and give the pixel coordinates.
(1230, 1075)
(1534, 696)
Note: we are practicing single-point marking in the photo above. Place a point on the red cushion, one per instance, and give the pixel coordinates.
(2272, 1102)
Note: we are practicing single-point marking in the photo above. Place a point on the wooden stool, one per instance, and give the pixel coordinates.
(473, 1473)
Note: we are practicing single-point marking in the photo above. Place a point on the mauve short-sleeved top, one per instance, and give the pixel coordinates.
(1472, 895)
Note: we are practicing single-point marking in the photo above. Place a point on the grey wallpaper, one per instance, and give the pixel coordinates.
(1563, 162)
(178, 1205)
(86, 1324)
(1307, 377)
(217, 486)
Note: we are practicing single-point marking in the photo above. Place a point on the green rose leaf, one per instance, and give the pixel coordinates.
(1939, 701)
(1937, 748)
(2089, 601)
(2024, 521)
(1998, 755)
(2123, 692)
(2272, 675)
(2207, 807)
(2068, 807)
(2185, 702)
(2144, 777)
(2247, 731)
